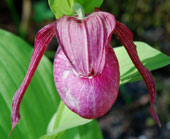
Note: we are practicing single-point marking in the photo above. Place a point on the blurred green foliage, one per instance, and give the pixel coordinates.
(13, 11)
(41, 12)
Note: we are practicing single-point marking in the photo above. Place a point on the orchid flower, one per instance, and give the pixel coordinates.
(86, 70)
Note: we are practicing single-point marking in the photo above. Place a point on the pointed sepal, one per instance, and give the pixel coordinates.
(84, 41)
(126, 37)
(42, 40)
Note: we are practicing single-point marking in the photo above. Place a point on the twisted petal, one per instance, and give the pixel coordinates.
(89, 97)
(84, 41)
(126, 37)
(42, 40)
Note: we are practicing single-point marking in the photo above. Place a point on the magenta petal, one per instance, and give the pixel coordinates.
(42, 40)
(89, 97)
(126, 37)
(84, 41)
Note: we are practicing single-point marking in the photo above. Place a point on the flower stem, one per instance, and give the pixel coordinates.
(79, 10)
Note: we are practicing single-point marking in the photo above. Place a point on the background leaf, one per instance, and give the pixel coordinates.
(41, 99)
(87, 131)
(64, 7)
(150, 57)
(64, 119)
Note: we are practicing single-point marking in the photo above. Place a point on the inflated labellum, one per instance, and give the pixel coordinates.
(86, 70)
(65, 7)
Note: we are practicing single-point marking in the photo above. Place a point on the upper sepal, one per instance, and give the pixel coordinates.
(84, 41)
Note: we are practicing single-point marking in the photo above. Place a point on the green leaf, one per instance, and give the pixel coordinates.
(150, 57)
(64, 119)
(41, 99)
(64, 7)
(87, 131)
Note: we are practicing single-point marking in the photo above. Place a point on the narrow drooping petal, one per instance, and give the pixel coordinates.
(42, 40)
(126, 37)
(89, 97)
(84, 41)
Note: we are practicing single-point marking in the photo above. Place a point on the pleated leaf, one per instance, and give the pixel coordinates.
(65, 119)
(87, 131)
(41, 99)
(150, 57)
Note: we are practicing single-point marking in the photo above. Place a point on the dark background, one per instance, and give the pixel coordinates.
(149, 20)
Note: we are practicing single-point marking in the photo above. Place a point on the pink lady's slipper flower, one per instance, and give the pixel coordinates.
(86, 70)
